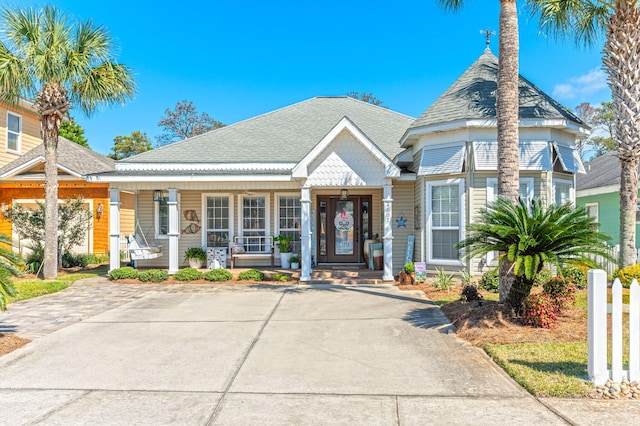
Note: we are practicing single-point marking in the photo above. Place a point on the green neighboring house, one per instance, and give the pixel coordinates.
(599, 192)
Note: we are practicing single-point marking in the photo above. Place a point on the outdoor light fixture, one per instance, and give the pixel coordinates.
(99, 210)
(344, 194)
(157, 195)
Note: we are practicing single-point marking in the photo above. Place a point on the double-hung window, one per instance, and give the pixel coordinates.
(288, 214)
(219, 214)
(254, 213)
(525, 190)
(161, 214)
(446, 201)
(14, 132)
(563, 191)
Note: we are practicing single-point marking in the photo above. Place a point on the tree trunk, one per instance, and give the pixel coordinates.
(520, 289)
(507, 111)
(53, 104)
(50, 135)
(621, 59)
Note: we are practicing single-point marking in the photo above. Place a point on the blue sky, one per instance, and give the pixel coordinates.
(237, 59)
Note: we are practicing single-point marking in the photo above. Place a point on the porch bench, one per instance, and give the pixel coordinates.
(251, 247)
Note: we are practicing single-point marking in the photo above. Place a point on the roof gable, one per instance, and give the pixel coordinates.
(473, 97)
(73, 159)
(301, 170)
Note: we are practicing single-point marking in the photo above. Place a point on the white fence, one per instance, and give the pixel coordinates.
(609, 266)
(598, 341)
(124, 249)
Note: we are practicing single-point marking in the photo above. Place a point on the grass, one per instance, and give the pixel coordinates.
(28, 288)
(545, 369)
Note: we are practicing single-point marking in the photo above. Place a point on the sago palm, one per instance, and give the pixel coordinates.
(9, 263)
(57, 65)
(507, 112)
(619, 21)
(530, 236)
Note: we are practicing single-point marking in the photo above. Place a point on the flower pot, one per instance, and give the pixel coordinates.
(195, 263)
(295, 265)
(285, 260)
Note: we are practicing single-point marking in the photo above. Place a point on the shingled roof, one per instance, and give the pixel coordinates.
(71, 156)
(473, 96)
(285, 135)
(601, 171)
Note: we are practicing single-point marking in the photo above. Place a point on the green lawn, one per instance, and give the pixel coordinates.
(27, 289)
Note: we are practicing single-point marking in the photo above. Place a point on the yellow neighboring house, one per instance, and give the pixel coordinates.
(22, 175)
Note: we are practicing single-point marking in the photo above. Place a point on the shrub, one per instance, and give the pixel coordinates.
(490, 281)
(543, 276)
(470, 293)
(35, 259)
(124, 273)
(628, 274)
(218, 275)
(561, 290)
(465, 277)
(409, 267)
(577, 274)
(283, 278)
(97, 259)
(539, 310)
(251, 275)
(70, 260)
(442, 280)
(188, 274)
(154, 275)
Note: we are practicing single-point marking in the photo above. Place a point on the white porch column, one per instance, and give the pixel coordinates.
(174, 230)
(114, 229)
(387, 237)
(305, 237)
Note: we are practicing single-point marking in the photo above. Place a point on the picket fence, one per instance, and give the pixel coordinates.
(597, 322)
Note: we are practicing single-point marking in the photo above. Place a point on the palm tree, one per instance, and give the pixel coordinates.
(57, 65)
(530, 236)
(9, 263)
(619, 20)
(507, 112)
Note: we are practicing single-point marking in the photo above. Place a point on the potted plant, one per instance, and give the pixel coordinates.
(196, 256)
(284, 247)
(407, 275)
(295, 261)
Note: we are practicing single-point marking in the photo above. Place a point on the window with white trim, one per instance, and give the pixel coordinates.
(446, 202)
(592, 211)
(288, 219)
(526, 190)
(218, 220)
(562, 191)
(14, 131)
(161, 216)
(254, 221)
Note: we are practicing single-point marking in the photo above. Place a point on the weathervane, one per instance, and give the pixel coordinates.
(488, 33)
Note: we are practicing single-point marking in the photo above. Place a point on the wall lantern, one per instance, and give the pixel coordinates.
(344, 194)
(157, 195)
(99, 211)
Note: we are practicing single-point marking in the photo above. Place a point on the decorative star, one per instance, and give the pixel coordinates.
(402, 222)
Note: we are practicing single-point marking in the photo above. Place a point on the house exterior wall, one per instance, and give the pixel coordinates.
(30, 135)
(403, 205)
(608, 214)
(95, 192)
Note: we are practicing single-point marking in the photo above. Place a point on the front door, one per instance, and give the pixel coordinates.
(343, 226)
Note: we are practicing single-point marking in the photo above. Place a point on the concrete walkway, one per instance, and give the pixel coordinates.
(242, 355)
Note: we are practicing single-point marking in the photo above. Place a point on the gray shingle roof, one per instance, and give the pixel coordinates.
(473, 96)
(284, 135)
(601, 171)
(70, 156)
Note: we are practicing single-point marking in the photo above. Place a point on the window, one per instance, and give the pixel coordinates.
(526, 189)
(563, 191)
(592, 211)
(14, 130)
(218, 220)
(162, 216)
(288, 219)
(446, 201)
(254, 221)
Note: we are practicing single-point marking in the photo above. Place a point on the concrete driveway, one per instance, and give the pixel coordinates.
(236, 355)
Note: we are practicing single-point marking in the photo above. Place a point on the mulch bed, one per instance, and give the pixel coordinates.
(11, 342)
